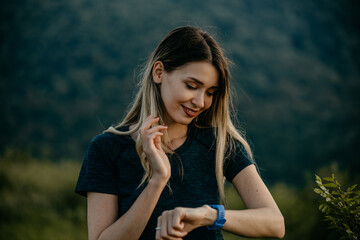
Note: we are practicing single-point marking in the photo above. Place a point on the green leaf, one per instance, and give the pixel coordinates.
(323, 188)
(323, 208)
(329, 179)
(352, 188)
(330, 185)
(346, 226)
(318, 180)
(318, 191)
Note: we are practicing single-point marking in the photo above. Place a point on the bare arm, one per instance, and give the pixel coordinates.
(103, 208)
(262, 218)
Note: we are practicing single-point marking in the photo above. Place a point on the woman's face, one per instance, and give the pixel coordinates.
(188, 91)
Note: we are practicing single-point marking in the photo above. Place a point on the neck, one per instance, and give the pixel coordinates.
(176, 136)
(176, 131)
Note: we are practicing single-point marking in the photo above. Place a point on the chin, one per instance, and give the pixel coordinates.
(184, 120)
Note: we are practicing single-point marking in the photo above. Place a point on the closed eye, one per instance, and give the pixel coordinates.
(211, 93)
(190, 86)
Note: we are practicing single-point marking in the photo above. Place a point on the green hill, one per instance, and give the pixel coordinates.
(68, 70)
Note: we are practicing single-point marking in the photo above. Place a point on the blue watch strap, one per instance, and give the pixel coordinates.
(220, 221)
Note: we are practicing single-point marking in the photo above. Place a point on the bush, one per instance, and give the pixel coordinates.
(341, 207)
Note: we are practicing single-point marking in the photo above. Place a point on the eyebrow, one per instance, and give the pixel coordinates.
(200, 82)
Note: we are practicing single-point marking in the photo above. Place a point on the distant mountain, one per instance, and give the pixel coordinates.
(68, 71)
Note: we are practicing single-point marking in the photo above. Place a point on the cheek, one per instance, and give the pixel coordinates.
(208, 102)
(177, 96)
(171, 97)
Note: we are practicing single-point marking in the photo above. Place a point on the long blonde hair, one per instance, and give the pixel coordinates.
(181, 46)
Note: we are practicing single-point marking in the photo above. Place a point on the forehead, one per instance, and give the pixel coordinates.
(202, 71)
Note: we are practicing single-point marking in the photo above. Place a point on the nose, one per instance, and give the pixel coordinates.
(199, 100)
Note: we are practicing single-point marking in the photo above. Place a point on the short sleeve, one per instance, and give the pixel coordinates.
(237, 161)
(98, 171)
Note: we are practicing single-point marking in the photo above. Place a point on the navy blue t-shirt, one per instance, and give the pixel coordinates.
(111, 165)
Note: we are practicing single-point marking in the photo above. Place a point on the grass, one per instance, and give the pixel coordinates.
(38, 202)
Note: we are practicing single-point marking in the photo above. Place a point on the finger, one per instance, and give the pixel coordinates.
(165, 230)
(170, 229)
(164, 233)
(173, 232)
(149, 142)
(148, 122)
(158, 228)
(154, 135)
(177, 223)
(163, 225)
(177, 227)
(156, 129)
(157, 143)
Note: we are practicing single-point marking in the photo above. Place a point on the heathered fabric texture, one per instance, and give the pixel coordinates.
(112, 166)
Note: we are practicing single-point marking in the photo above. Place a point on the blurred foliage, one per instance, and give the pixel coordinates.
(38, 201)
(68, 70)
(299, 207)
(341, 207)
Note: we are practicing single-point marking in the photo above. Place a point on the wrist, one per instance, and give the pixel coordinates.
(220, 220)
(210, 216)
(159, 181)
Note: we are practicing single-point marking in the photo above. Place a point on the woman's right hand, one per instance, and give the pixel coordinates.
(151, 141)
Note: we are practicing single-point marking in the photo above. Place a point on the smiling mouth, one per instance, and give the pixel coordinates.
(190, 112)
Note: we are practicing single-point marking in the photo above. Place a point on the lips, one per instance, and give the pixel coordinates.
(189, 111)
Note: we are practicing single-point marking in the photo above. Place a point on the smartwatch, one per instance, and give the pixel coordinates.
(220, 221)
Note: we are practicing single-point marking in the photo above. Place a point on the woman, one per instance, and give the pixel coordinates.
(160, 173)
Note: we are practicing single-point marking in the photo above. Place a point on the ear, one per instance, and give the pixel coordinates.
(158, 71)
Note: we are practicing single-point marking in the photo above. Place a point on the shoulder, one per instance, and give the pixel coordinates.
(109, 143)
(237, 159)
(238, 149)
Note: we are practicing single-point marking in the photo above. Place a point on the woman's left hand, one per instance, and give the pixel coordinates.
(177, 223)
